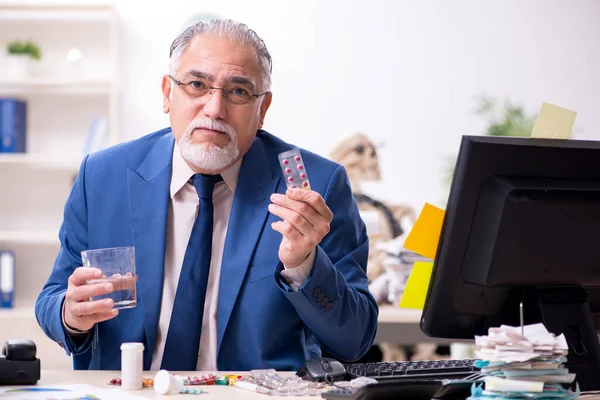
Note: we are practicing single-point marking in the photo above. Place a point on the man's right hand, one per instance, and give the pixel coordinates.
(80, 312)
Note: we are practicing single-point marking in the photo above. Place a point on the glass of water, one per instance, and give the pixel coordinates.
(118, 268)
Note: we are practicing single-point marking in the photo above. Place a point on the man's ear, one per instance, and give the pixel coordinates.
(166, 91)
(263, 108)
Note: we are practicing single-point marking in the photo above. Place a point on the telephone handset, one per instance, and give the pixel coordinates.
(18, 363)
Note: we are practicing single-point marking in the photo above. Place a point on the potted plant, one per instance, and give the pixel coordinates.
(503, 118)
(20, 56)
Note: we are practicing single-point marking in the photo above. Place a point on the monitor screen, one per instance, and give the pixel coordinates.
(520, 226)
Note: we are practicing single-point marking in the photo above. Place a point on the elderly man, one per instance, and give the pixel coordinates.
(235, 271)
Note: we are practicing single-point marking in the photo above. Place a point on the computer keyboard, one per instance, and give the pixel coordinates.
(440, 369)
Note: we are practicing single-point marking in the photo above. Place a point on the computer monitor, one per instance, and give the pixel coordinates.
(522, 224)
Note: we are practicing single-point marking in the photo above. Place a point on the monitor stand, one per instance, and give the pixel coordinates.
(566, 310)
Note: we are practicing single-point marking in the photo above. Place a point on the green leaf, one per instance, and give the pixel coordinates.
(29, 48)
(502, 120)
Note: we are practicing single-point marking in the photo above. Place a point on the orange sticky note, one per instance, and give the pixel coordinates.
(553, 122)
(424, 237)
(417, 286)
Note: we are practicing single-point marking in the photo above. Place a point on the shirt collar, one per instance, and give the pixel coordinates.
(181, 173)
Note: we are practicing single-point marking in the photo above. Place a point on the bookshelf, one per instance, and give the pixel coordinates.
(30, 237)
(30, 13)
(48, 162)
(63, 97)
(54, 86)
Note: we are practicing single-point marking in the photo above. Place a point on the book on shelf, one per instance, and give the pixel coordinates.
(13, 125)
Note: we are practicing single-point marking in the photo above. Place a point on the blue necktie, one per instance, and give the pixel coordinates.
(183, 338)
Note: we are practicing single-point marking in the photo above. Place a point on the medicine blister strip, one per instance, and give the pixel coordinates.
(294, 171)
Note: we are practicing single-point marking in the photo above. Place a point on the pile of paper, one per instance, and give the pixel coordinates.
(523, 363)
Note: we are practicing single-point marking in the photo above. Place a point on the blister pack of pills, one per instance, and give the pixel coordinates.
(270, 382)
(293, 169)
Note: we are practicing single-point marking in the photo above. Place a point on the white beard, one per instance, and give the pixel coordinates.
(209, 156)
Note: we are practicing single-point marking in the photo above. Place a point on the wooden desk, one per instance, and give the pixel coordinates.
(100, 379)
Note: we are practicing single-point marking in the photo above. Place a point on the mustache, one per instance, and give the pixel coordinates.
(207, 123)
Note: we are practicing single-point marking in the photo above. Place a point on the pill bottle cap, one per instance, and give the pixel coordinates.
(132, 346)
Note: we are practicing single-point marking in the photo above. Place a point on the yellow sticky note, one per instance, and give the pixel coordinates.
(554, 122)
(424, 237)
(417, 286)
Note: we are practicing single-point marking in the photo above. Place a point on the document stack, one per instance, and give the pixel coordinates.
(523, 362)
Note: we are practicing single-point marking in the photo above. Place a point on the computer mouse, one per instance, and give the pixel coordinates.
(322, 370)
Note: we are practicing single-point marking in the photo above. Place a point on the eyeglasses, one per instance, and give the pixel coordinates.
(234, 94)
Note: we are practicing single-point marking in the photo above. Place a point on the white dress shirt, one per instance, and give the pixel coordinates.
(183, 209)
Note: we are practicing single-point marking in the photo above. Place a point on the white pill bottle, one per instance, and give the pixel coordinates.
(132, 365)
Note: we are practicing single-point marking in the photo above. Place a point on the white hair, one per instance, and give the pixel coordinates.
(235, 31)
(209, 156)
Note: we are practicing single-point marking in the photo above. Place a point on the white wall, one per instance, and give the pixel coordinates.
(404, 72)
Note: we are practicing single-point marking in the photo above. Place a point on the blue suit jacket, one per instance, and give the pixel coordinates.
(121, 198)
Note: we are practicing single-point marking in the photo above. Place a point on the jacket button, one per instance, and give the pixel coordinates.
(320, 297)
(328, 306)
(317, 292)
(324, 302)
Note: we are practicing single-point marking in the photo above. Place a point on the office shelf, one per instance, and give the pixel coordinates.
(11, 314)
(54, 162)
(53, 85)
(42, 238)
(19, 13)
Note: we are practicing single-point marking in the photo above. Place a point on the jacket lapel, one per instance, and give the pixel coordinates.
(149, 203)
(246, 222)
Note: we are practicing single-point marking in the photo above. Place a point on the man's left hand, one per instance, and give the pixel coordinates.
(306, 220)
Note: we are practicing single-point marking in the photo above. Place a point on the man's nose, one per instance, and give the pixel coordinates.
(214, 108)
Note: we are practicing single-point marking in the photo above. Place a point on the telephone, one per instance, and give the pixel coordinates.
(18, 363)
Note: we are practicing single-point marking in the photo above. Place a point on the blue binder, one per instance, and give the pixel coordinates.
(13, 125)
(7, 278)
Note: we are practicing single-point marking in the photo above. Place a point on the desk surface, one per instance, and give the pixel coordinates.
(100, 379)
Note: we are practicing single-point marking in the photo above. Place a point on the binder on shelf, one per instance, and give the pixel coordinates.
(13, 125)
(7, 278)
